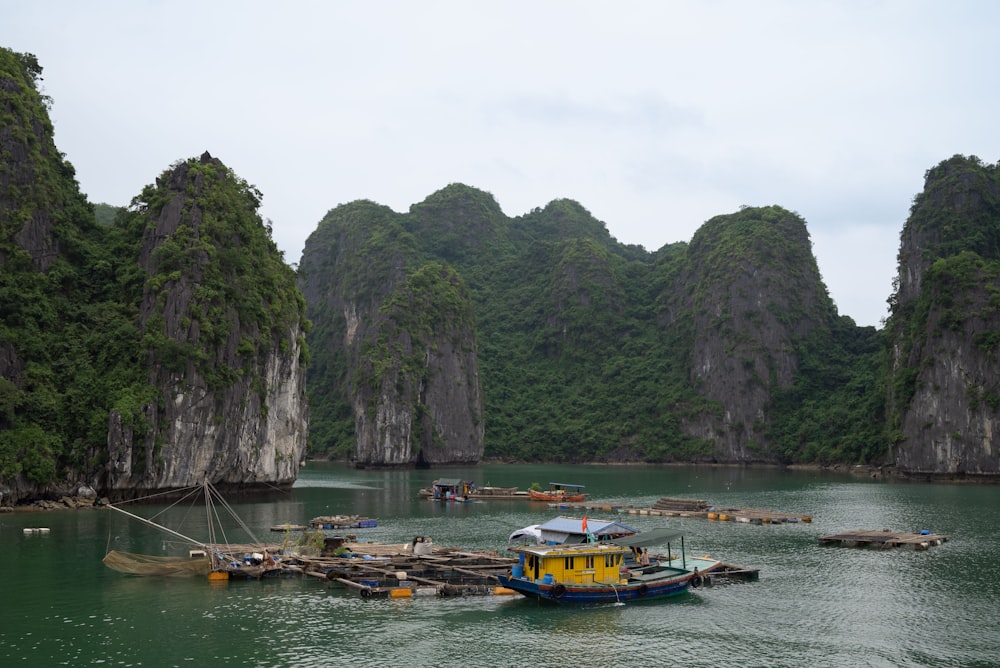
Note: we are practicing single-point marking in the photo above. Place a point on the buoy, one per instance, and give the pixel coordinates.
(400, 593)
(218, 576)
(713, 516)
(503, 591)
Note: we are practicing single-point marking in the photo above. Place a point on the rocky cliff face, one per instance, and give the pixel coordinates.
(159, 349)
(225, 327)
(748, 290)
(396, 338)
(419, 402)
(944, 394)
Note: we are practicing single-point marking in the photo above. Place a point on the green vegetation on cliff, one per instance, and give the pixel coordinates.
(65, 333)
(584, 344)
(948, 283)
(72, 349)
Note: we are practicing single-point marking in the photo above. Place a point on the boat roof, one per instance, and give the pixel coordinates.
(448, 482)
(571, 548)
(566, 484)
(657, 536)
(559, 528)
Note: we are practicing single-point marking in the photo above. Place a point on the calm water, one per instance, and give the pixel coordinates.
(823, 606)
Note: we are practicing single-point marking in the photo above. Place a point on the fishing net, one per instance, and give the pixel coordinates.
(144, 564)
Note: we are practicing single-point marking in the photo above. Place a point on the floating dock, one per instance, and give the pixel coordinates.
(484, 494)
(343, 522)
(289, 527)
(393, 571)
(919, 540)
(678, 507)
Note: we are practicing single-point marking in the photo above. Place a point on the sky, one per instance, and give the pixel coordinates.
(654, 115)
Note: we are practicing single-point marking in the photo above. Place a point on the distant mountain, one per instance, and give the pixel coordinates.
(726, 350)
(148, 347)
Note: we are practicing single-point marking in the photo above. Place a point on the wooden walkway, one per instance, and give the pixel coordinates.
(884, 539)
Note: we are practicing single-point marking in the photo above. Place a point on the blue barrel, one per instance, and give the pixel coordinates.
(548, 579)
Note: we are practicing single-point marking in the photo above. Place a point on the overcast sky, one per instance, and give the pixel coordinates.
(654, 115)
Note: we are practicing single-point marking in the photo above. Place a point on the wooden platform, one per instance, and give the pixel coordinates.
(885, 539)
(697, 508)
(393, 571)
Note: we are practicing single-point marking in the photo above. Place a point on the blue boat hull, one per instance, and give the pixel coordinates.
(582, 594)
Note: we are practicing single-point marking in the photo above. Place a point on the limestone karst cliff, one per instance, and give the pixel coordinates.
(749, 290)
(222, 326)
(395, 346)
(148, 352)
(944, 390)
(727, 350)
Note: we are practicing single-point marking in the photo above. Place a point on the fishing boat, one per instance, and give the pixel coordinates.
(559, 492)
(450, 489)
(605, 572)
(211, 558)
(456, 489)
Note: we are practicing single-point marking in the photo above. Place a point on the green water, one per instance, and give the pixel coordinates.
(822, 606)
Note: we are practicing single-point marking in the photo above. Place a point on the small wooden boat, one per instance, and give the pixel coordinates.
(559, 492)
(597, 572)
(217, 561)
(343, 522)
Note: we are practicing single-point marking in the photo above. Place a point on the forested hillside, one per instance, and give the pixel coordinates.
(944, 327)
(157, 348)
(725, 349)
(151, 346)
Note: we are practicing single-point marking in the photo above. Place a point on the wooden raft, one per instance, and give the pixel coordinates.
(669, 506)
(884, 538)
(395, 572)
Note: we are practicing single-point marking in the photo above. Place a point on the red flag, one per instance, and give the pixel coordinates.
(585, 524)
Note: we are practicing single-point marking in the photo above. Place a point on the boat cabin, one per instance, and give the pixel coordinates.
(565, 488)
(452, 488)
(583, 564)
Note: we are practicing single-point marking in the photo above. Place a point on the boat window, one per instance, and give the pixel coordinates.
(569, 563)
(590, 561)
